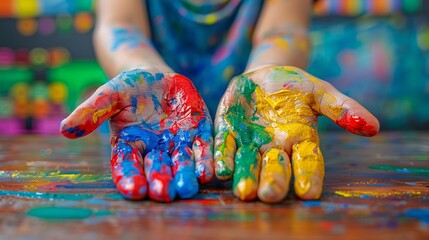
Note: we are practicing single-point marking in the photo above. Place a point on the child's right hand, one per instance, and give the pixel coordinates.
(161, 133)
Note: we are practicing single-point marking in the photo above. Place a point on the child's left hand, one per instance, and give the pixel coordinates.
(268, 119)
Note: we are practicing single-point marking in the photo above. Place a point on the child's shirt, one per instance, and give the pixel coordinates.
(207, 41)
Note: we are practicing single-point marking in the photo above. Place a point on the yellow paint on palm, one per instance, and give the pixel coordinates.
(332, 109)
(284, 106)
(308, 169)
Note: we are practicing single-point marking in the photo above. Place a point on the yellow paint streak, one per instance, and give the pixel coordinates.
(102, 112)
(381, 194)
(280, 42)
(58, 176)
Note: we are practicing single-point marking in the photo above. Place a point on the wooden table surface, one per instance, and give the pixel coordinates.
(375, 188)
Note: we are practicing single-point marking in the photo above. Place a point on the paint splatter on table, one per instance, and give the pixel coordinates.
(53, 188)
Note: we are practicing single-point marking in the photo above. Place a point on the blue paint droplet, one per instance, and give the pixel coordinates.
(312, 203)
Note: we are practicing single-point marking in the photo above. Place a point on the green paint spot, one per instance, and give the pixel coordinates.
(103, 213)
(423, 171)
(246, 87)
(60, 213)
(42, 195)
(232, 216)
(248, 133)
(246, 164)
(114, 196)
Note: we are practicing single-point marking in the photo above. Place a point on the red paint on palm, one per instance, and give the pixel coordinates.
(182, 104)
(356, 124)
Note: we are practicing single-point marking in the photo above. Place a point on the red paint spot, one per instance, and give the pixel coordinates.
(182, 104)
(357, 125)
(287, 85)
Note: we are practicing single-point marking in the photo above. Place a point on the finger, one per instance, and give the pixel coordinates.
(127, 171)
(344, 111)
(185, 179)
(308, 170)
(275, 176)
(225, 145)
(225, 148)
(159, 175)
(103, 104)
(246, 173)
(202, 148)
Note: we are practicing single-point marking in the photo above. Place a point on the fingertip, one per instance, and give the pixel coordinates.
(364, 125)
(162, 190)
(223, 172)
(70, 131)
(245, 189)
(204, 171)
(133, 188)
(186, 185)
(308, 187)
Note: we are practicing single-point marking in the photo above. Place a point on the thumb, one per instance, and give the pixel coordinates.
(103, 104)
(344, 111)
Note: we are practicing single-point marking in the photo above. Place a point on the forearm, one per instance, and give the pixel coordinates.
(122, 47)
(287, 47)
(280, 37)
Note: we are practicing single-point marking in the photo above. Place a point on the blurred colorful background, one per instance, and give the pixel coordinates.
(376, 51)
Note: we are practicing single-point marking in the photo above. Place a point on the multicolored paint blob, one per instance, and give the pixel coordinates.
(272, 113)
(161, 133)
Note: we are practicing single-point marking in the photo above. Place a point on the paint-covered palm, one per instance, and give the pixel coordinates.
(161, 133)
(266, 128)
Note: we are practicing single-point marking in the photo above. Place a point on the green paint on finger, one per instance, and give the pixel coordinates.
(223, 170)
(247, 165)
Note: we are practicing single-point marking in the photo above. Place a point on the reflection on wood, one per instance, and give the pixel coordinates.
(375, 188)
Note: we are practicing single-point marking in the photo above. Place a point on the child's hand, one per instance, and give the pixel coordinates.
(161, 133)
(267, 119)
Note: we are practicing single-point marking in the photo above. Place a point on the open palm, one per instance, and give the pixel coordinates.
(266, 128)
(161, 133)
